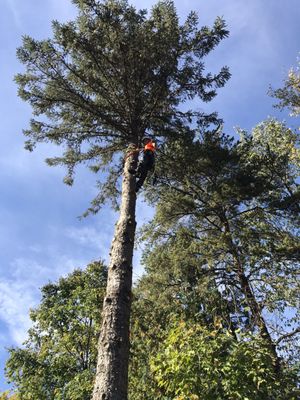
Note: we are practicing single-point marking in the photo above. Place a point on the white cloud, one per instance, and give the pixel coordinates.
(20, 287)
(29, 272)
(86, 236)
(97, 237)
(14, 11)
(16, 298)
(21, 291)
(100, 236)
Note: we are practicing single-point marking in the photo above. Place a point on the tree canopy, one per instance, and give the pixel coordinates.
(223, 268)
(112, 75)
(235, 207)
(59, 357)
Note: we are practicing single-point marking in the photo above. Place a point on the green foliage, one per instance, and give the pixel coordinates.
(289, 94)
(174, 289)
(192, 275)
(114, 73)
(229, 212)
(149, 324)
(6, 396)
(195, 363)
(192, 272)
(59, 358)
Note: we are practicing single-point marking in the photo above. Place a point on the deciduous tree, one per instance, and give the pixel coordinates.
(59, 357)
(196, 363)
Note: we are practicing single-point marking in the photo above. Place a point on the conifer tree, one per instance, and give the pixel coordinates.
(96, 88)
(236, 207)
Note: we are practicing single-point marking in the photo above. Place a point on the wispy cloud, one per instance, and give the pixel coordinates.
(96, 237)
(21, 291)
(25, 275)
(86, 236)
(16, 298)
(14, 9)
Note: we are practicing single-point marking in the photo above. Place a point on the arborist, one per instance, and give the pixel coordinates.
(146, 164)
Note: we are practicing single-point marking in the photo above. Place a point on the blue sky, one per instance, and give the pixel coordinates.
(41, 237)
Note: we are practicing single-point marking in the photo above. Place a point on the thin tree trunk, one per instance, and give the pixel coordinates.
(113, 349)
(257, 317)
(250, 299)
(256, 313)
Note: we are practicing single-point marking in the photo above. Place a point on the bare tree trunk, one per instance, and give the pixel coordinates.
(256, 313)
(113, 349)
(250, 298)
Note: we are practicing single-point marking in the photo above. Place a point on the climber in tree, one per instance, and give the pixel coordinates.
(147, 162)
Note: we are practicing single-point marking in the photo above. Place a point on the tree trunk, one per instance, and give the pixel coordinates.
(113, 349)
(250, 298)
(256, 313)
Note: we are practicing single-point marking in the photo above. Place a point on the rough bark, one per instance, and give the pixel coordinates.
(111, 380)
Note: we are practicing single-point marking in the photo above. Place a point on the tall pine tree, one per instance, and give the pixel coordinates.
(96, 88)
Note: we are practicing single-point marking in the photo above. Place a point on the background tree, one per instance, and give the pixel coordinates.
(102, 82)
(197, 363)
(6, 396)
(289, 94)
(59, 357)
(173, 291)
(234, 207)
